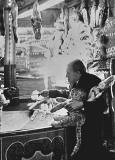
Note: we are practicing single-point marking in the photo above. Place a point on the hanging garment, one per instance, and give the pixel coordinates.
(85, 16)
(2, 28)
(93, 17)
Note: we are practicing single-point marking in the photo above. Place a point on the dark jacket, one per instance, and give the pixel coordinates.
(91, 134)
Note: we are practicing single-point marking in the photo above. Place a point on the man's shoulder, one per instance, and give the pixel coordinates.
(91, 79)
(91, 76)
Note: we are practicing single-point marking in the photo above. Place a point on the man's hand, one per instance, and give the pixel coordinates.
(61, 99)
(58, 107)
(94, 94)
(44, 93)
(77, 105)
(74, 105)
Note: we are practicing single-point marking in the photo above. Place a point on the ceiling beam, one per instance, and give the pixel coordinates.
(43, 6)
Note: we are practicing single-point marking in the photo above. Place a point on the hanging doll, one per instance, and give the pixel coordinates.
(36, 20)
(76, 116)
(100, 42)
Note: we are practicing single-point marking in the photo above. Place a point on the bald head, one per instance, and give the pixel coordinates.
(77, 65)
(74, 71)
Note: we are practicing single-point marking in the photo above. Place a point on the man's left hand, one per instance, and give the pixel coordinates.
(74, 105)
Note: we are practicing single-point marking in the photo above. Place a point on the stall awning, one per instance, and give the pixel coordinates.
(25, 6)
(27, 10)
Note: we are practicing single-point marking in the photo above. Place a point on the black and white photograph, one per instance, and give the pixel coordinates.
(57, 79)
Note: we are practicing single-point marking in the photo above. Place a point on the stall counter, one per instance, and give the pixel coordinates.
(24, 139)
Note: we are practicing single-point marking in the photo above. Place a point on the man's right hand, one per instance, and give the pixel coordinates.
(44, 93)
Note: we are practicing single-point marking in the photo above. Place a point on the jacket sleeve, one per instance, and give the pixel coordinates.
(99, 105)
(53, 93)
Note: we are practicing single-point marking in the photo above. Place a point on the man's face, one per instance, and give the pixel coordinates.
(72, 76)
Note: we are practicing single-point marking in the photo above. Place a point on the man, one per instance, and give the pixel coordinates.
(91, 133)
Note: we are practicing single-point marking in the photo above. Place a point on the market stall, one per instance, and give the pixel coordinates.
(25, 138)
(20, 136)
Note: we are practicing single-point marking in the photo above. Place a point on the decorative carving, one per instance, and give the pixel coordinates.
(44, 148)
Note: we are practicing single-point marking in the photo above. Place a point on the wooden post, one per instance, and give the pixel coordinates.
(12, 92)
(112, 71)
(9, 63)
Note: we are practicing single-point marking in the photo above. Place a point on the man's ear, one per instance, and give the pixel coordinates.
(78, 72)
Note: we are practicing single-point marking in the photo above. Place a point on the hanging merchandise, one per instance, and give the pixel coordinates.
(101, 13)
(93, 14)
(109, 31)
(14, 11)
(101, 43)
(104, 40)
(2, 29)
(105, 13)
(84, 11)
(36, 20)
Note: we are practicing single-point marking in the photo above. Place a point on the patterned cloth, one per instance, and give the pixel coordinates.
(75, 117)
